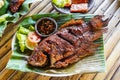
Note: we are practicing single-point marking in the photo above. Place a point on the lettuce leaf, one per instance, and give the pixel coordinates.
(31, 28)
(61, 3)
(23, 30)
(3, 18)
(22, 38)
(3, 10)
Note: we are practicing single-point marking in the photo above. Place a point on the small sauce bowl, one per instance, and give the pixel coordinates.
(46, 26)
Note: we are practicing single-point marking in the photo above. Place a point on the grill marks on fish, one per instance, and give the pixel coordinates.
(69, 44)
(38, 59)
(80, 53)
(59, 48)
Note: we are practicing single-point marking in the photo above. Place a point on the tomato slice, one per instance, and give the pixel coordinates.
(33, 37)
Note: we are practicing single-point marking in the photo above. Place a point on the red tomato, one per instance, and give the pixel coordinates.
(33, 37)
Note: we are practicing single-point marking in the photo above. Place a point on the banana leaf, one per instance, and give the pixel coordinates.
(94, 63)
(7, 17)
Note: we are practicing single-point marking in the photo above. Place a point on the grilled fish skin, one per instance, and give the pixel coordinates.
(70, 44)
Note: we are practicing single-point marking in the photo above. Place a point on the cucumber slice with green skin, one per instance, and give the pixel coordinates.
(32, 40)
(30, 45)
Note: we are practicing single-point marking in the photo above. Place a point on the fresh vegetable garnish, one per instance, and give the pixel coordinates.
(33, 37)
(27, 38)
(30, 45)
(3, 18)
(31, 28)
(24, 30)
(21, 38)
(1, 3)
(32, 40)
(62, 3)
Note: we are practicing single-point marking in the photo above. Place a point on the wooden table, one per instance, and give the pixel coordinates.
(110, 8)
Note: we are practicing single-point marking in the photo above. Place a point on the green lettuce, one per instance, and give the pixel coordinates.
(61, 3)
(23, 30)
(21, 38)
(3, 18)
(3, 10)
(31, 28)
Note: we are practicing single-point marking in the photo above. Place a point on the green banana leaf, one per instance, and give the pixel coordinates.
(7, 17)
(94, 63)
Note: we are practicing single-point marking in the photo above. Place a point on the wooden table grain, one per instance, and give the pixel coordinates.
(109, 8)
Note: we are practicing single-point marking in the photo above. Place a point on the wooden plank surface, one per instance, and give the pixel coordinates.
(116, 75)
(110, 8)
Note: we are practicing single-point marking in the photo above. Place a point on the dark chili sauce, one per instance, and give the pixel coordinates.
(46, 27)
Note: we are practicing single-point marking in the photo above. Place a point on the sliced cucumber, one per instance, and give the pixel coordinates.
(30, 45)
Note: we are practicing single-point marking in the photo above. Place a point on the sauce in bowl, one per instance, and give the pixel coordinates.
(46, 26)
